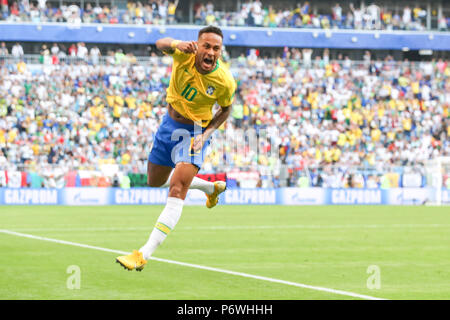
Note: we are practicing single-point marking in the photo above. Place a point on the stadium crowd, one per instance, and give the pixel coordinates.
(322, 116)
(252, 13)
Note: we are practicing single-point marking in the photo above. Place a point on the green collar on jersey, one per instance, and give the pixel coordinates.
(217, 67)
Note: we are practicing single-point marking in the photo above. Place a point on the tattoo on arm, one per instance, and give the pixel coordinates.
(164, 45)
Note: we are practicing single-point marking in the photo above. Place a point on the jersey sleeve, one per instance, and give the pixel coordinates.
(179, 55)
(227, 98)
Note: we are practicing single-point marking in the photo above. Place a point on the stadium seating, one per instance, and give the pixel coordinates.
(343, 117)
(251, 13)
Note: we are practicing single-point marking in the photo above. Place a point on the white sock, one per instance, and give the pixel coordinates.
(166, 222)
(205, 186)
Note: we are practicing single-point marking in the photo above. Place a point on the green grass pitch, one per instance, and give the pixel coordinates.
(326, 246)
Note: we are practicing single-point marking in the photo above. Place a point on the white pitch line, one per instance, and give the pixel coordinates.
(234, 273)
(250, 227)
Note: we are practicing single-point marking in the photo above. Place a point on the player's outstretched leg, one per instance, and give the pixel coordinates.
(156, 175)
(179, 184)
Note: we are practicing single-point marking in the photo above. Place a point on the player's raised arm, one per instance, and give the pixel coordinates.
(168, 45)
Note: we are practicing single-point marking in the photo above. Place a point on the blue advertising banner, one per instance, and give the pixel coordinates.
(303, 196)
(355, 196)
(446, 196)
(85, 196)
(252, 196)
(411, 196)
(138, 196)
(282, 196)
(29, 196)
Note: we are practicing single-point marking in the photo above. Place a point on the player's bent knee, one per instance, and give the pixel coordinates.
(177, 190)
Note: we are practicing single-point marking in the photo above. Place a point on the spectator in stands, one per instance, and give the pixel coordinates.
(337, 16)
(162, 10)
(42, 5)
(62, 53)
(5, 8)
(171, 10)
(3, 49)
(200, 14)
(307, 53)
(357, 17)
(209, 8)
(82, 51)
(55, 49)
(94, 55)
(45, 55)
(325, 22)
(210, 19)
(304, 10)
(442, 23)
(373, 17)
(73, 50)
(17, 51)
(407, 18)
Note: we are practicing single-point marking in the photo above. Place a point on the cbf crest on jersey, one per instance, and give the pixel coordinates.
(210, 90)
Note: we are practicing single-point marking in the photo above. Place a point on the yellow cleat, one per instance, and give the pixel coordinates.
(135, 260)
(212, 199)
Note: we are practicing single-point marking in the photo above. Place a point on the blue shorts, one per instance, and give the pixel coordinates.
(173, 144)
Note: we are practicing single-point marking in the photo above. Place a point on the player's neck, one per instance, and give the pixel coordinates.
(203, 72)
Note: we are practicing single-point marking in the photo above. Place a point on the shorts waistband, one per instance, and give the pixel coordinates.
(177, 124)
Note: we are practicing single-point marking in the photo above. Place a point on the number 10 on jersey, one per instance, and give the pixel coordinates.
(189, 93)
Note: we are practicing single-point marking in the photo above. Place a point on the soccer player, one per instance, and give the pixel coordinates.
(198, 81)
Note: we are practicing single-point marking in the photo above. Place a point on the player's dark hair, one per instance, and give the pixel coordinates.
(210, 29)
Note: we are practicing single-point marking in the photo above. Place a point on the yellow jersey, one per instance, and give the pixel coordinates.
(171, 9)
(193, 94)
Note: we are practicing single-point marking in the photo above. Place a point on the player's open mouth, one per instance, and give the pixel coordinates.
(208, 63)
